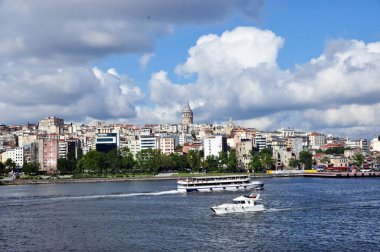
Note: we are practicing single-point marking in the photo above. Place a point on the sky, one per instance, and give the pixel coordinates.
(267, 64)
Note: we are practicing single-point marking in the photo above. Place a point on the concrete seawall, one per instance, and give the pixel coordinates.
(343, 174)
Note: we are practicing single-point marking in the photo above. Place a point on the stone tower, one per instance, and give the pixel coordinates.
(187, 114)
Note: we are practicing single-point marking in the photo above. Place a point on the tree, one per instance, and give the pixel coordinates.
(114, 161)
(149, 161)
(335, 150)
(194, 160)
(180, 162)
(358, 159)
(306, 158)
(211, 163)
(222, 159)
(295, 163)
(66, 166)
(31, 168)
(92, 162)
(9, 165)
(266, 158)
(128, 160)
(2, 168)
(232, 161)
(255, 163)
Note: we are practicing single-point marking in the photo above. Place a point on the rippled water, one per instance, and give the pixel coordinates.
(304, 214)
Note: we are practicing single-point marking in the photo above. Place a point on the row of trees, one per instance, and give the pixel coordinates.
(153, 161)
(150, 161)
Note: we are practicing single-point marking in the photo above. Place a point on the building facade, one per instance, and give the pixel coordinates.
(213, 145)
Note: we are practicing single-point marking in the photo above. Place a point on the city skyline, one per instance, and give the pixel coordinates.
(267, 64)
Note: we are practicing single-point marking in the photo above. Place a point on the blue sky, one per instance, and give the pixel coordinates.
(305, 25)
(311, 65)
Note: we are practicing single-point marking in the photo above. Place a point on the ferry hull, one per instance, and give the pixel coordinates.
(240, 187)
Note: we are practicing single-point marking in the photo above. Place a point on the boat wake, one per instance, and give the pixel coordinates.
(373, 204)
(121, 195)
(42, 200)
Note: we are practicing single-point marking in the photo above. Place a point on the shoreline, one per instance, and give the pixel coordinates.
(78, 180)
(99, 180)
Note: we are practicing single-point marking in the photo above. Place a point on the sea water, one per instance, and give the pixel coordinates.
(303, 214)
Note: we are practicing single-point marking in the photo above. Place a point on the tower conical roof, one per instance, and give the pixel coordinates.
(186, 108)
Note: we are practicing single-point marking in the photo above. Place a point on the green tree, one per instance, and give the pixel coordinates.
(194, 160)
(211, 163)
(114, 161)
(9, 165)
(93, 162)
(358, 159)
(79, 153)
(335, 150)
(2, 169)
(128, 160)
(266, 158)
(222, 160)
(232, 163)
(149, 161)
(295, 163)
(255, 163)
(31, 168)
(66, 166)
(306, 158)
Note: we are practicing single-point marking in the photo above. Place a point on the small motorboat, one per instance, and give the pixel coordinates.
(241, 204)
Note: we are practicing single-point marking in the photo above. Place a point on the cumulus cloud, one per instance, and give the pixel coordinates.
(72, 93)
(47, 47)
(83, 30)
(237, 75)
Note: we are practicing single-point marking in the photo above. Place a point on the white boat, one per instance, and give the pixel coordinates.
(218, 183)
(240, 204)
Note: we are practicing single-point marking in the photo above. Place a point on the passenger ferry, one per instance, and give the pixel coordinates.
(218, 183)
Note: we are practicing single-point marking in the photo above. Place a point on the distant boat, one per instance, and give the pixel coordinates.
(240, 204)
(218, 183)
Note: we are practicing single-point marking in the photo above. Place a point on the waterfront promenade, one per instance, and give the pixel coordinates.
(343, 174)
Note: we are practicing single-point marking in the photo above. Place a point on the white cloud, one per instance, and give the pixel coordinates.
(238, 76)
(72, 93)
(79, 30)
(47, 47)
(145, 59)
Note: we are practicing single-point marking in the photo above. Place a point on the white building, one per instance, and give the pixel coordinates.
(375, 144)
(287, 132)
(214, 144)
(134, 146)
(62, 149)
(316, 140)
(260, 142)
(359, 143)
(167, 144)
(149, 142)
(16, 154)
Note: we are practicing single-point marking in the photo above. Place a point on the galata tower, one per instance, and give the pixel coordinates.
(187, 114)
